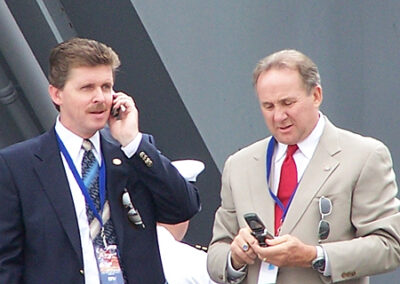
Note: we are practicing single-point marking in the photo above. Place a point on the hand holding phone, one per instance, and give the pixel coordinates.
(123, 119)
(258, 229)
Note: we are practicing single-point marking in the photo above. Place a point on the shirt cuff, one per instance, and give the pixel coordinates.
(132, 147)
(235, 276)
(327, 270)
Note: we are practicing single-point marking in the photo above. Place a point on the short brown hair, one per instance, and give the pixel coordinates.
(291, 59)
(79, 52)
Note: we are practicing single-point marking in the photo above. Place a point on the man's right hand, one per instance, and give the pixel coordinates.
(241, 249)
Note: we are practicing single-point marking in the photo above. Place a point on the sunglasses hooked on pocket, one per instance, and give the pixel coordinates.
(325, 209)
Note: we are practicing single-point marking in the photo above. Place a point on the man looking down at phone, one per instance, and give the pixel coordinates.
(62, 219)
(328, 195)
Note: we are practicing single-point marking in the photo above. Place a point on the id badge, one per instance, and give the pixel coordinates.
(109, 268)
(268, 273)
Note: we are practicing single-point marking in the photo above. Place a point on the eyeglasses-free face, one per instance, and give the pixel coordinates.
(325, 208)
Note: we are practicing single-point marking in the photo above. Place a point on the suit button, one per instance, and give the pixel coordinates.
(82, 272)
(148, 162)
(348, 274)
(116, 161)
(220, 277)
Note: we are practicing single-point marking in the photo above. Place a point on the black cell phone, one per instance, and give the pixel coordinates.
(115, 112)
(258, 229)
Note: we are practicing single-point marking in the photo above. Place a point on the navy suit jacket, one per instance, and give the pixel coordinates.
(39, 234)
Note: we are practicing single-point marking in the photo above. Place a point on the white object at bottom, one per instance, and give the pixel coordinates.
(268, 273)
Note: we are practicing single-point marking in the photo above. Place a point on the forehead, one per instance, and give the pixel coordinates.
(93, 74)
(278, 78)
(282, 82)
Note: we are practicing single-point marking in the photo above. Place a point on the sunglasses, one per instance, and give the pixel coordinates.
(325, 208)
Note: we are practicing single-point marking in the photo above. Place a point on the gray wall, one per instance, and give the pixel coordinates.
(188, 65)
(210, 48)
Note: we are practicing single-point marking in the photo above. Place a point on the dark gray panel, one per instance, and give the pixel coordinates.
(35, 29)
(9, 132)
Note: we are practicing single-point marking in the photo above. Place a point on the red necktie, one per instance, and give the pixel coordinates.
(287, 184)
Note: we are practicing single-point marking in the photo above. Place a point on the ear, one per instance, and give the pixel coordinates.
(55, 95)
(317, 96)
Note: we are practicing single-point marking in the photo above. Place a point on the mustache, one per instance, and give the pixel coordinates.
(98, 107)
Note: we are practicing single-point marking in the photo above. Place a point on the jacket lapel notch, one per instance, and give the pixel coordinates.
(56, 187)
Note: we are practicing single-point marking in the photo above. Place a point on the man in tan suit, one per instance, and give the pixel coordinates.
(339, 222)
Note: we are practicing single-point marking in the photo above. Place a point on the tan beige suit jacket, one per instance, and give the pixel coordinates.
(354, 172)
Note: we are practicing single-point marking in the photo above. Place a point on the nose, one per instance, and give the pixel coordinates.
(99, 95)
(280, 114)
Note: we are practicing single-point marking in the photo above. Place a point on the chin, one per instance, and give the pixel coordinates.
(97, 126)
(285, 140)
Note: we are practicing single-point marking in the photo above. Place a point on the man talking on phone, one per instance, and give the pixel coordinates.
(62, 217)
(327, 195)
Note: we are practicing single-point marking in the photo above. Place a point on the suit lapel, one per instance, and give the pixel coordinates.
(116, 182)
(55, 185)
(263, 203)
(319, 169)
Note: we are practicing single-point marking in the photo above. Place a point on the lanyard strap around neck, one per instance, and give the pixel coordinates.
(85, 192)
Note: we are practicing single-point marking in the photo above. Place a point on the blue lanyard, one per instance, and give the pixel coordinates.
(102, 181)
(270, 152)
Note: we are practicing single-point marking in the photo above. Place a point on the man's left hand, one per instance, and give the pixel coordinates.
(124, 127)
(286, 250)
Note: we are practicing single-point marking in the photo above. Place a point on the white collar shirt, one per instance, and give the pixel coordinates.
(73, 145)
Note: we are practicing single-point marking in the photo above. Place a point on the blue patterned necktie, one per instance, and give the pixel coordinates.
(90, 177)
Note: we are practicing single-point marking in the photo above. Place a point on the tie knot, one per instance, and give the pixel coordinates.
(87, 145)
(291, 149)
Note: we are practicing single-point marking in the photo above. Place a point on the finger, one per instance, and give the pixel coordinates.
(245, 247)
(124, 103)
(245, 234)
(243, 257)
(119, 96)
(277, 240)
(242, 249)
(246, 250)
(245, 231)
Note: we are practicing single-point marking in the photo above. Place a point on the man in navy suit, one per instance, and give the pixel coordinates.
(45, 235)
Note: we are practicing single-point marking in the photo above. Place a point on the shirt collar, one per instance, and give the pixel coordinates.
(308, 145)
(73, 142)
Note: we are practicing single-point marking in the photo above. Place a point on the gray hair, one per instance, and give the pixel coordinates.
(291, 59)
